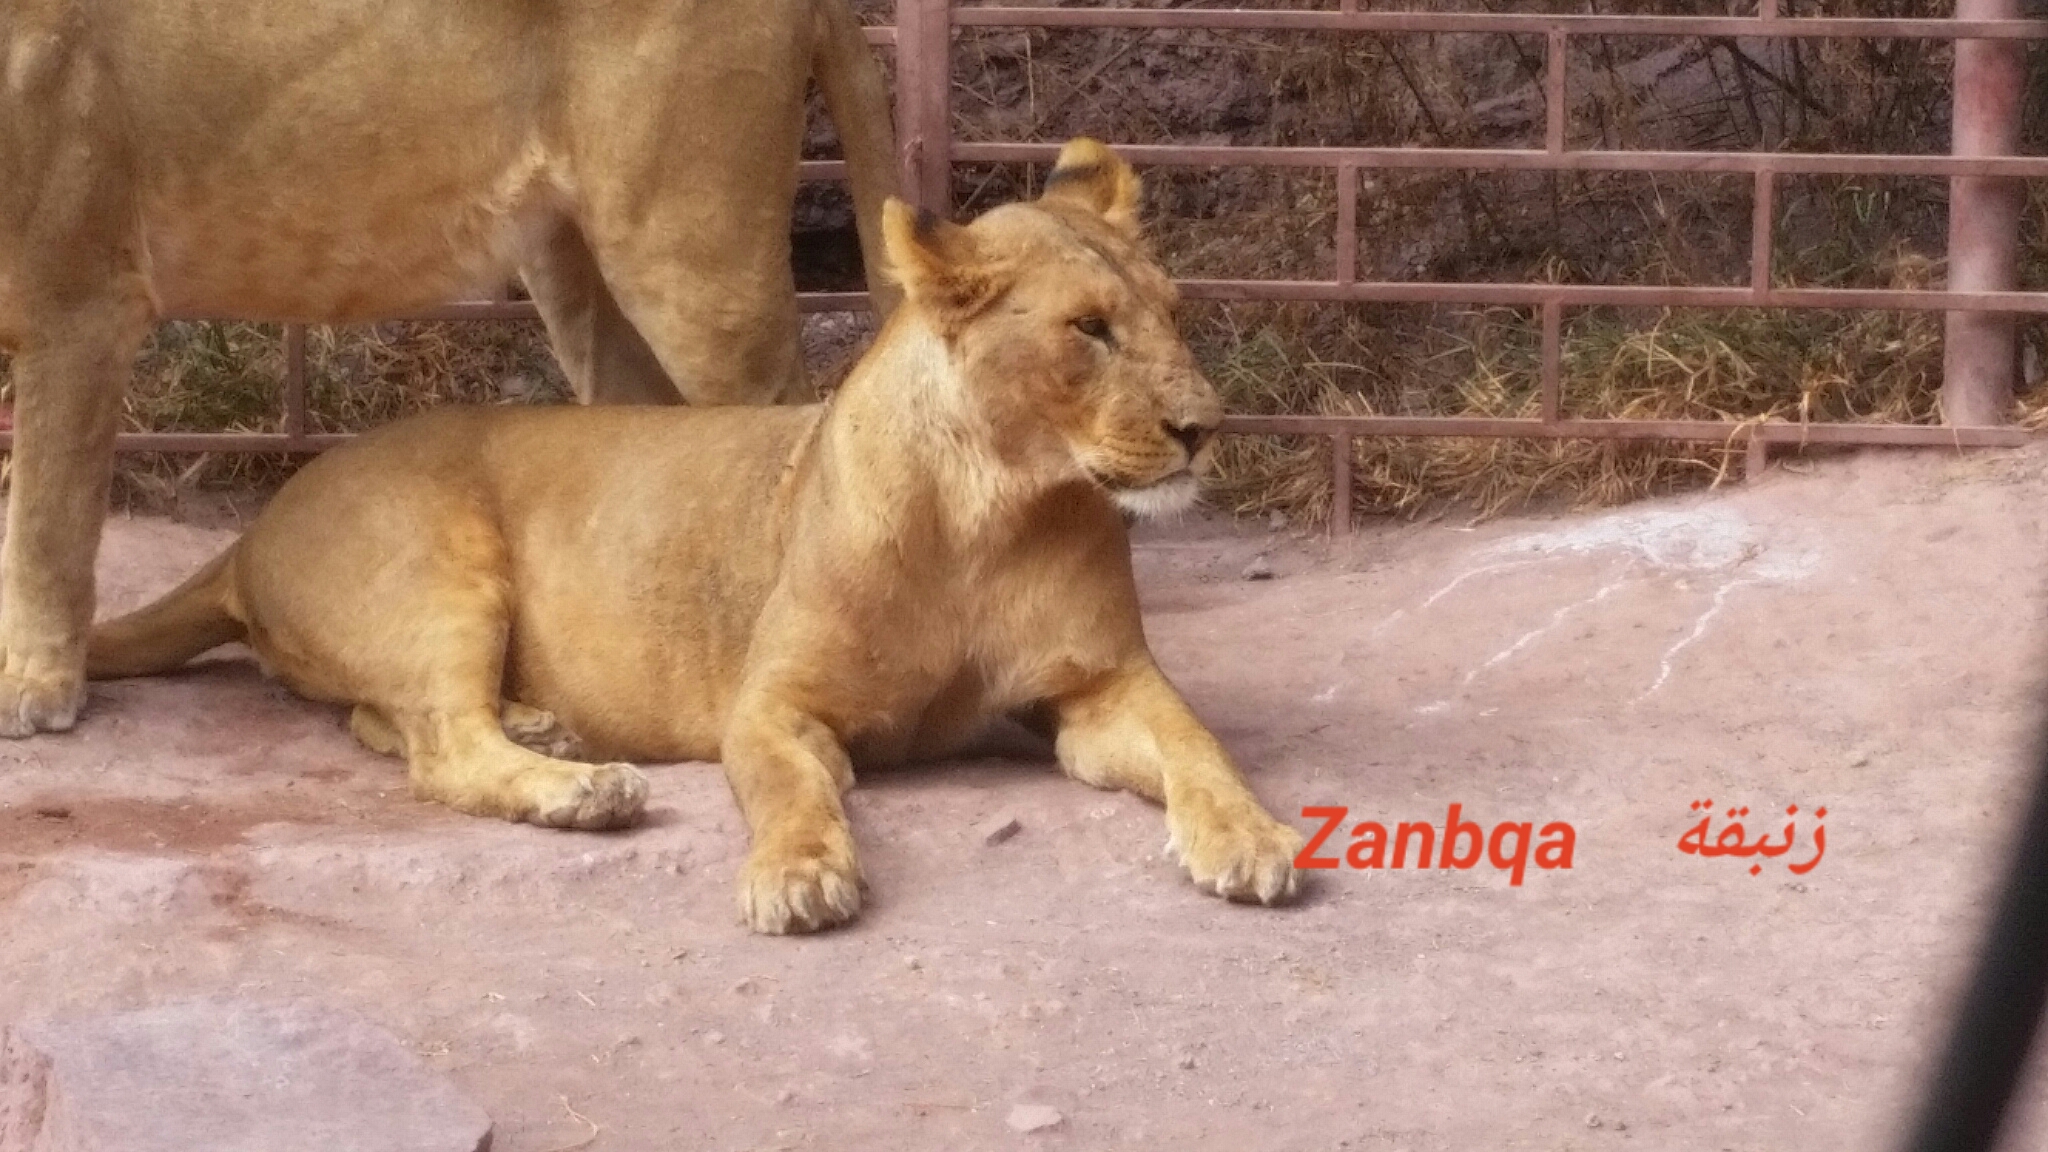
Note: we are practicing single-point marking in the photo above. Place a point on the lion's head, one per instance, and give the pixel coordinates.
(1060, 328)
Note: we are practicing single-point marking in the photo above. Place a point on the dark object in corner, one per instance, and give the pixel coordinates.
(2001, 1010)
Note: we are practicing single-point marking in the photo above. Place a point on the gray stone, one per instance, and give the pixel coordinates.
(226, 1076)
(997, 829)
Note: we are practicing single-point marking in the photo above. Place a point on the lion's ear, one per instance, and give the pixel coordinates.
(938, 263)
(1088, 174)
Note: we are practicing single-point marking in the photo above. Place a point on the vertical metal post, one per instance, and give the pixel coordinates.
(1554, 92)
(909, 60)
(1347, 223)
(1556, 45)
(1763, 222)
(1552, 380)
(924, 89)
(1984, 221)
(294, 381)
(1340, 484)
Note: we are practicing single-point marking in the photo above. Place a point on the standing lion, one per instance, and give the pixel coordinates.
(325, 161)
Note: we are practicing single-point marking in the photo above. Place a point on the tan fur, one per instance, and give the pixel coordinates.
(325, 160)
(794, 590)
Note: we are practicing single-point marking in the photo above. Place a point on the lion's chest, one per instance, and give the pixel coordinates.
(926, 690)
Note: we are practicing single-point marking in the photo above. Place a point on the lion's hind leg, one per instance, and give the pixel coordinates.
(410, 623)
(470, 750)
(465, 760)
(374, 732)
(528, 727)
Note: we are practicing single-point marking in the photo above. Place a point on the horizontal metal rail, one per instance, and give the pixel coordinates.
(1347, 427)
(1503, 23)
(1416, 292)
(1698, 431)
(1530, 160)
(524, 309)
(1612, 295)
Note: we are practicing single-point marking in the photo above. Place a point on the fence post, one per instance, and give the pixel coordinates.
(295, 382)
(1340, 483)
(924, 109)
(1980, 354)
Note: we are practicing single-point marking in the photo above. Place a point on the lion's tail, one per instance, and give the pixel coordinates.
(858, 102)
(193, 618)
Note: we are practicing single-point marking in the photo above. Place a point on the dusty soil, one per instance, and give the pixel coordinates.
(1862, 635)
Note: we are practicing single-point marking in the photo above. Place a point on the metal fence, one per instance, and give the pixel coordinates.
(1990, 41)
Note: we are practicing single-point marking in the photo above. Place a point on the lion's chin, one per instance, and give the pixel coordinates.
(1160, 500)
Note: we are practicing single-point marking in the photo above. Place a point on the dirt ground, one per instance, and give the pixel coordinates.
(1862, 635)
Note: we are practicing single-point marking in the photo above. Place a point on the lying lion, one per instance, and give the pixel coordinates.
(326, 161)
(790, 590)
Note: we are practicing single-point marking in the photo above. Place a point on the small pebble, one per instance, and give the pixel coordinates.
(1259, 569)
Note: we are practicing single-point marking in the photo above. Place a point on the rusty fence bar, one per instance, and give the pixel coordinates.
(1980, 350)
(1981, 158)
(1506, 23)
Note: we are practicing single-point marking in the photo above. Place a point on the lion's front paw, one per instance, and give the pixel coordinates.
(801, 883)
(1236, 851)
(35, 697)
(603, 796)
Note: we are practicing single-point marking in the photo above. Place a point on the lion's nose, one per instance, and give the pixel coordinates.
(1191, 436)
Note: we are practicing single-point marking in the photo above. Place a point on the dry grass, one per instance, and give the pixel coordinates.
(225, 378)
(1678, 364)
(1682, 365)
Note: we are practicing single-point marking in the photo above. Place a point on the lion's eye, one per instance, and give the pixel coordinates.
(1093, 327)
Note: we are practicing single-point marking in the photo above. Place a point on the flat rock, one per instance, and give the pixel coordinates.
(1033, 1118)
(225, 1076)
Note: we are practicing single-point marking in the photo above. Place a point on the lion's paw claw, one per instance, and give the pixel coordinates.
(605, 796)
(1246, 857)
(785, 890)
(32, 702)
